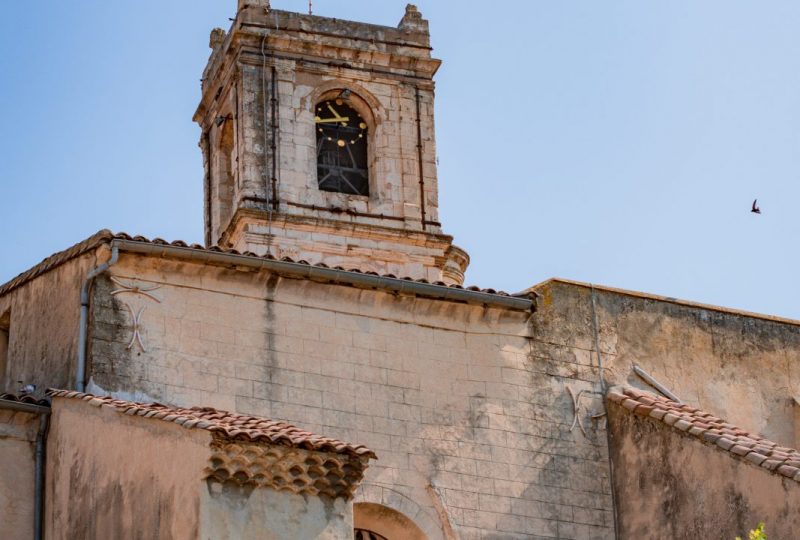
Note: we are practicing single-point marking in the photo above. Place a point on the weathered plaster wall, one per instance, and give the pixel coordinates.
(469, 417)
(232, 512)
(116, 476)
(743, 368)
(17, 437)
(669, 485)
(43, 326)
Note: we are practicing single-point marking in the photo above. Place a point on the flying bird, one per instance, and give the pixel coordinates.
(755, 209)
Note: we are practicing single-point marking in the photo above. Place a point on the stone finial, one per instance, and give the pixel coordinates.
(264, 4)
(216, 38)
(412, 12)
(413, 21)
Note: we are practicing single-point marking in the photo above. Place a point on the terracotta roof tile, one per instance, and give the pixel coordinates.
(710, 429)
(58, 259)
(218, 249)
(106, 236)
(232, 426)
(30, 400)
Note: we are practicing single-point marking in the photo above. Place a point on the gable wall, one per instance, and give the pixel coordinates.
(745, 369)
(110, 475)
(669, 485)
(43, 336)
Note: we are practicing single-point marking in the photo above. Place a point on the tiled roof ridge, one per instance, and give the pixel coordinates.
(710, 429)
(228, 425)
(218, 249)
(27, 399)
(57, 259)
(106, 236)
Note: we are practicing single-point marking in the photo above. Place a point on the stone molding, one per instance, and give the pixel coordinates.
(384, 495)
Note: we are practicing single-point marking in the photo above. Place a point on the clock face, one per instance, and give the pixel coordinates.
(341, 148)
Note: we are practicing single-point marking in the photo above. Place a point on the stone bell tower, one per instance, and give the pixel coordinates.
(318, 143)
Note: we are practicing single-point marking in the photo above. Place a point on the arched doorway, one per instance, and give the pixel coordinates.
(363, 534)
(376, 522)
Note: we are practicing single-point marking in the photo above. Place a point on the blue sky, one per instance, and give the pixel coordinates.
(617, 142)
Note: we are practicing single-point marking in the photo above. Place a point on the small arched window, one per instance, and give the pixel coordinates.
(341, 148)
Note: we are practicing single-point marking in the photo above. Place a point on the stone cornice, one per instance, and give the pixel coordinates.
(310, 40)
(356, 229)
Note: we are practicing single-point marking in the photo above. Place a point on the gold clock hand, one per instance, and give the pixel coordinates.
(336, 114)
(342, 119)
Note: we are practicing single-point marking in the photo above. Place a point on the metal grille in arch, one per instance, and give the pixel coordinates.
(363, 534)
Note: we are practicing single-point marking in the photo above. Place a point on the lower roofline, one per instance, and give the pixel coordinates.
(319, 272)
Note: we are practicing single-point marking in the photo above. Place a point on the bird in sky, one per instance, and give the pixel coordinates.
(755, 209)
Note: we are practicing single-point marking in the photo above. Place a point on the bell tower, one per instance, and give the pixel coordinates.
(318, 143)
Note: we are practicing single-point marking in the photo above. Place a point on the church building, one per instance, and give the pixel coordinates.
(317, 369)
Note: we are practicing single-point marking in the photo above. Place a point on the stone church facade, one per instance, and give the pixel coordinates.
(317, 369)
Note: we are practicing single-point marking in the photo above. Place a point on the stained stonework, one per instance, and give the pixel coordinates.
(263, 82)
(146, 470)
(688, 474)
(740, 366)
(470, 419)
(487, 409)
(17, 442)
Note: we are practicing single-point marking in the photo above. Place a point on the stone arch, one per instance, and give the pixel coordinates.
(370, 110)
(386, 522)
(365, 103)
(376, 505)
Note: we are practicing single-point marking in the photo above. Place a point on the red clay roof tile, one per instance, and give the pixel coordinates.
(58, 259)
(710, 429)
(30, 400)
(105, 236)
(232, 426)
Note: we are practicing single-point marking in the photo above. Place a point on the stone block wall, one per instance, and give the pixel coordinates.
(261, 88)
(383, 67)
(471, 409)
(471, 418)
(739, 366)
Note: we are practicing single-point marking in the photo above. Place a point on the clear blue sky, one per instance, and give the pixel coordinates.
(616, 142)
